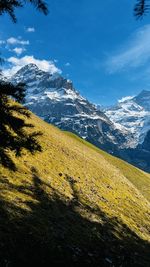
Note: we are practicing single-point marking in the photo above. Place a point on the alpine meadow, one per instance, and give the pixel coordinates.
(74, 133)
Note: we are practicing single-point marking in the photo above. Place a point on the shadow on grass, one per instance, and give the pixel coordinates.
(53, 233)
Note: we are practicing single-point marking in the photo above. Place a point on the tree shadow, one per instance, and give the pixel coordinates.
(52, 231)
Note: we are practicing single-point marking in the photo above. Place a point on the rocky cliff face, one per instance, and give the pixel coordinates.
(54, 99)
(133, 113)
(122, 130)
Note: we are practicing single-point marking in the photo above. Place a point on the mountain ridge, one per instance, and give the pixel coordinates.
(120, 130)
(55, 100)
(133, 113)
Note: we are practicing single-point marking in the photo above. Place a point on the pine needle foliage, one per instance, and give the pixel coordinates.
(9, 6)
(13, 135)
(141, 8)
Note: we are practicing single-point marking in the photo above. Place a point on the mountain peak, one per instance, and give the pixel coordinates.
(142, 94)
(28, 68)
(143, 99)
(29, 72)
(31, 66)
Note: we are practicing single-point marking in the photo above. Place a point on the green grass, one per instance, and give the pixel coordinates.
(139, 178)
(73, 203)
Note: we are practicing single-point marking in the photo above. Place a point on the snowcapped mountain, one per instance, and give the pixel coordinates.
(143, 99)
(133, 113)
(122, 130)
(55, 100)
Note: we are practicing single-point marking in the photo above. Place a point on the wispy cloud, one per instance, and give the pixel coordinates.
(2, 42)
(16, 41)
(18, 50)
(67, 64)
(30, 29)
(17, 63)
(134, 53)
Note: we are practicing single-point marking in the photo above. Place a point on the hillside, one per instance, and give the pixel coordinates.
(54, 99)
(119, 130)
(71, 204)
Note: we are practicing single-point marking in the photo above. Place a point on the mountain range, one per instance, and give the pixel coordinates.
(133, 113)
(121, 130)
(71, 203)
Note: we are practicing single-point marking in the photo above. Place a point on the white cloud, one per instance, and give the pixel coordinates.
(17, 63)
(67, 64)
(135, 53)
(30, 29)
(18, 50)
(2, 42)
(15, 41)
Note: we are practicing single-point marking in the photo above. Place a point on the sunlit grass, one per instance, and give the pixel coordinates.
(101, 180)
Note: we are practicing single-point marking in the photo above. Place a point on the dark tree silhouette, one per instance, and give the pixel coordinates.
(9, 6)
(12, 116)
(141, 8)
(12, 126)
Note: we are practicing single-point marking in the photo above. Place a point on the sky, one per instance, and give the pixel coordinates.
(99, 45)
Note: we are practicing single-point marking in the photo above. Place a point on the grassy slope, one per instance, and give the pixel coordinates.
(73, 200)
(139, 178)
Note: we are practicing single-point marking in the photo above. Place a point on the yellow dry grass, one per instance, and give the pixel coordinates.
(77, 170)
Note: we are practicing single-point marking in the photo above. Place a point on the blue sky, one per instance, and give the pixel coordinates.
(97, 44)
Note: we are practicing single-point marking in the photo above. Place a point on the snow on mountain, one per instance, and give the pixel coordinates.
(122, 130)
(42, 85)
(143, 99)
(55, 100)
(132, 113)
